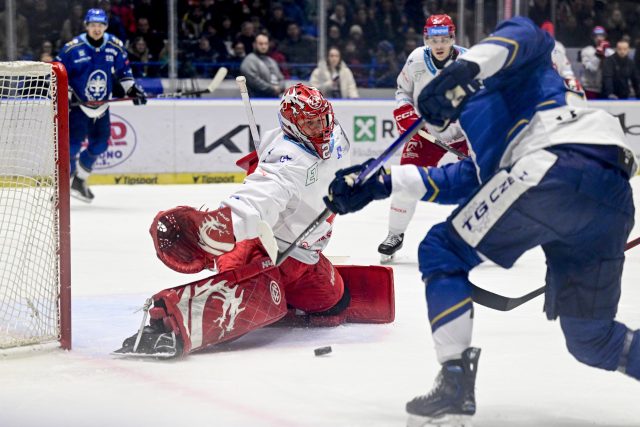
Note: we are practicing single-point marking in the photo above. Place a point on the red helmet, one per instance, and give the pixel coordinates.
(439, 25)
(307, 117)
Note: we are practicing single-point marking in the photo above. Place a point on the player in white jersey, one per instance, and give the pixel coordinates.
(560, 61)
(422, 66)
(284, 194)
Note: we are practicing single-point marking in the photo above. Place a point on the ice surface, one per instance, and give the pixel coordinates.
(271, 377)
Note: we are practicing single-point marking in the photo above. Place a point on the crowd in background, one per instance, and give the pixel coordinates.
(372, 37)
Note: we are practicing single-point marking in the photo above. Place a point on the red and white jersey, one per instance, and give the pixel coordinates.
(286, 191)
(560, 61)
(416, 73)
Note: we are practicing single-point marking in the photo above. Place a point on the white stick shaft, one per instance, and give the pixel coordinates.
(244, 94)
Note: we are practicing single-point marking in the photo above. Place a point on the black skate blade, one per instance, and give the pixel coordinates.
(129, 353)
(78, 196)
(387, 259)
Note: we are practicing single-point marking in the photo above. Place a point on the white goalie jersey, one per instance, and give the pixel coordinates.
(416, 73)
(286, 191)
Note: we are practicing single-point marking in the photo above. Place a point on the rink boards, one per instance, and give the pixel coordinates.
(199, 141)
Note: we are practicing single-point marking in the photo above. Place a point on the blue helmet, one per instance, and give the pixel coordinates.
(96, 15)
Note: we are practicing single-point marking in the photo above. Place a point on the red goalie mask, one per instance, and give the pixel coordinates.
(307, 117)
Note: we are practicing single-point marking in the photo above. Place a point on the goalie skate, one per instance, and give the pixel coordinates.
(389, 247)
(151, 344)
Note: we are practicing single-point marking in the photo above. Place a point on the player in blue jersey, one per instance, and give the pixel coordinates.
(546, 171)
(93, 60)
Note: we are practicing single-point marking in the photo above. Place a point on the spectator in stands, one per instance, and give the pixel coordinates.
(356, 35)
(115, 24)
(156, 13)
(296, 48)
(73, 25)
(591, 57)
(23, 51)
(279, 57)
(385, 71)
(368, 26)
(193, 23)
(540, 12)
(152, 38)
(46, 53)
(333, 77)
(339, 19)
(276, 22)
(353, 60)
(334, 37)
(619, 74)
(235, 59)
(616, 26)
(42, 25)
(293, 12)
(247, 35)
(410, 44)
(202, 56)
(264, 79)
(124, 11)
(387, 20)
(139, 55)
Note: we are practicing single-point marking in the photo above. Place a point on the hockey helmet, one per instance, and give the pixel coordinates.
(96, 15)
(307, 117)
(439, 25)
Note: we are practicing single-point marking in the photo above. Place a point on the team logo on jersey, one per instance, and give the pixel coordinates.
(312, 174)
(120, 146)
(364, 128)
(96, 88)
(314, 102)
(276, 295)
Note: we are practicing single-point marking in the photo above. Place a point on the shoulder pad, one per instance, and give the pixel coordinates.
(460, 49)
(74, 41)
(416, 55)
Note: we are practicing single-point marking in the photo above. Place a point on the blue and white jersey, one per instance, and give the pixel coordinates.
(523, 107)
(91, 70)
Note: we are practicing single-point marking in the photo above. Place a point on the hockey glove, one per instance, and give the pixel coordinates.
(405, 116)
(188, 240)
(442, 100)
(345, 197)
(138, 95)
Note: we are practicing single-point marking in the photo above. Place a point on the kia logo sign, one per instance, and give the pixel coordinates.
(122, 144)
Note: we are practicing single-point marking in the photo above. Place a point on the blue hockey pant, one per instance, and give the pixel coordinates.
(581, 212)
(96, 131)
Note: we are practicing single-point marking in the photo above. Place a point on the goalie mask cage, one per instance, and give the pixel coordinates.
(35, 306)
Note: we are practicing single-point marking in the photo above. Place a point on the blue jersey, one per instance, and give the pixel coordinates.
(523, 107)
(91, 69)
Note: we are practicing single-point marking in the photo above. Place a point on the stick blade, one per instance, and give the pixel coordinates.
(268, 240)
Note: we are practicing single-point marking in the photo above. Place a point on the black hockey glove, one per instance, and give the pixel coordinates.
(138, 95)
(345, 197)
(442, 100)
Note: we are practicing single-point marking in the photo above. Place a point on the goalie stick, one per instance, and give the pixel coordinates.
(244, 94)
(213, 85)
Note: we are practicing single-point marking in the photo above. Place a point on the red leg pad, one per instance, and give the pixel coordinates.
(372, 294)
(219, 308)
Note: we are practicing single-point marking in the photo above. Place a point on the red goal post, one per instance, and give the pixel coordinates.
(35, 275)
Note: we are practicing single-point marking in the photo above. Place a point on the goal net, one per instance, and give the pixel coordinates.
(34, 205)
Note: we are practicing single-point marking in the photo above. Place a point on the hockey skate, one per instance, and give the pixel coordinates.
(153, 343)
(80, 189)
(451, 402)
(391, 245)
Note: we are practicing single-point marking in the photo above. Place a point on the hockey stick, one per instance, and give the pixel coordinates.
(213, 85)
(244, 94)
(367, 173)
(502, 303)
(432, 139)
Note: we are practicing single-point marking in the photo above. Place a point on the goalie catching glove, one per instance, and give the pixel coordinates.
(345, 197)
(188, 240)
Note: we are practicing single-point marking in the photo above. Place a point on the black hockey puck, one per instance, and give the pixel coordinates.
(321, 351)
